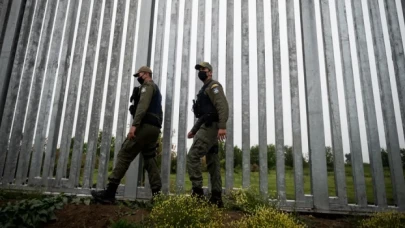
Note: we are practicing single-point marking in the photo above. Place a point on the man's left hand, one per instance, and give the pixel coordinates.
(221, 134)
(131, 133)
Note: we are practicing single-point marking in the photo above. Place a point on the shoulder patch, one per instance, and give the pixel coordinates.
(215, 90)
(214, 85)
(143, 90)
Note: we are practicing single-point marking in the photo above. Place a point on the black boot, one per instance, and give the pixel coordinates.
(216, 199)
(197, 192)
(155, 193)
(106, 196)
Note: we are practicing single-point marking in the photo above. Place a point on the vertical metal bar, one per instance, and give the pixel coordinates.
(126, 76)
(295, 105)
(151, 24)
(369, 107)
(337, 145)
(63, 69)
(262, 97)
(278, 101)
(316, 134)
(245, 96)
(9, 34)
(98, 95)
(351, 105)
(111, 95)
(3, 5)
(403, 9)
(200, 51)
(44, 101)
(73, 91)
(229, 93)
(139, 171)
(16, 74)
(171, 70)
(27, 76)
(390, 126)
(215, 37)
(85, 93)
(4, 15)
(200, 38)
(8, 44)
(183, 110)
(44, 110)
(35, 94)
(200, 46)
(397, 54)
(122, 118)
(160, 34)
(144, 40)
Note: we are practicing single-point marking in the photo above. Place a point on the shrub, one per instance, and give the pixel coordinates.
(246, 200)
(184, 211)
(30, 213)
(124, 224)
(267, 217)
(389, 219)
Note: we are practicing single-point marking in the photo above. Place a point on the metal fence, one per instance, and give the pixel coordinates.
(66, 66)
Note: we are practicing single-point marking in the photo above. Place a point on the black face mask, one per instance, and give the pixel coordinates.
(141, 80)
(202, 75)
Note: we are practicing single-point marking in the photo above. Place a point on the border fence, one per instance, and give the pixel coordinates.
(66, 66)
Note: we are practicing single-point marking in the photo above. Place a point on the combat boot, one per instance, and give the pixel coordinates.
(155, 193)
(106, 196)
(197, 192)
(216, 199)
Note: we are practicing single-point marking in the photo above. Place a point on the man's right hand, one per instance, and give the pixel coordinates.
(190, 135)
(131, 133)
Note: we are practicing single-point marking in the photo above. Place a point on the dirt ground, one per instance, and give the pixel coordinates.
(95, 215)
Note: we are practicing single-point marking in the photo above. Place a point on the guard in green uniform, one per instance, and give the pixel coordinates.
(211, 109)
(142, 138)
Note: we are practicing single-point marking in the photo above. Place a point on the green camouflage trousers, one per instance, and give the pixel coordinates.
(144, 142)
(205, 144)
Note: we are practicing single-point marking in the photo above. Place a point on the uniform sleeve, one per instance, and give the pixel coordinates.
(217, 97)
(143, 105)
(197, 125)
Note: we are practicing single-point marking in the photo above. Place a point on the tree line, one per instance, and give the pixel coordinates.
(238, 156)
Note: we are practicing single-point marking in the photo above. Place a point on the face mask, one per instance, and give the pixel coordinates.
(141, 80)
(202, 75)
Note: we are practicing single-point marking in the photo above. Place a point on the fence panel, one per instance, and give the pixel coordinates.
(67, 50)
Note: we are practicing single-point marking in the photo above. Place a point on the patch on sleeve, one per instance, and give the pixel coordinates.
(213, 86)
(143, 90)
(215, 90)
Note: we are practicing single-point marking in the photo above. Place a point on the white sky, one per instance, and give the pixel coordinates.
(238, 82)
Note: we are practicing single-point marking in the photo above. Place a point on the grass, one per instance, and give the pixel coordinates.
(289, 181)
(290, 191)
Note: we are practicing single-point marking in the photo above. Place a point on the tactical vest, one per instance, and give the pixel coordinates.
(203, 106)
(154, 113)
(155, 106)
